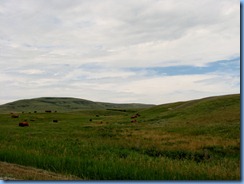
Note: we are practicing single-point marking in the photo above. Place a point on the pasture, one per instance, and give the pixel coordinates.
(195, 140)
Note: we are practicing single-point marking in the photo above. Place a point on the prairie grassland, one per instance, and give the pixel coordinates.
(197, 140)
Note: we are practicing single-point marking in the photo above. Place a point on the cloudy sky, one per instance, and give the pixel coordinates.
(145, 51)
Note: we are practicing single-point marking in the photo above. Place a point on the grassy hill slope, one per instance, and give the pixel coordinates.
(218, 115)
(195, 108)
(62, 105)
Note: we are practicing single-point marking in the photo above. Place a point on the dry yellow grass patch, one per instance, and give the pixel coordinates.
(176, 141)
(10, 171)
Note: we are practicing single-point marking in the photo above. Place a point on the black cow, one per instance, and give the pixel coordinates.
(23, 124)
(15, 116)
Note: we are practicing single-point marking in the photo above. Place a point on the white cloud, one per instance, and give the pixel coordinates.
(31, 71)
(39, 38)
(182, 87)
(89, 30)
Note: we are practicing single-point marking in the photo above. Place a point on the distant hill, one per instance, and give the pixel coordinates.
(212, 109)
(63, 104)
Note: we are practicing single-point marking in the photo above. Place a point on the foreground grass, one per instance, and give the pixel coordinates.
(10, 171)
(181, 141)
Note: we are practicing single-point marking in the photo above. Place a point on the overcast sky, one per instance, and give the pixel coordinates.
(121, 51)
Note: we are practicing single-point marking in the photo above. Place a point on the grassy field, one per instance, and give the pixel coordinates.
(194, 140)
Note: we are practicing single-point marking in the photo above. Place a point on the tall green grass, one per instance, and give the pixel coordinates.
(165, 144)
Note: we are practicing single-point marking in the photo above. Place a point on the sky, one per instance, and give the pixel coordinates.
(130, 51)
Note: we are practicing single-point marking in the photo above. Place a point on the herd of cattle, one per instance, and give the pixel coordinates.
(133, 118)
(25, 123)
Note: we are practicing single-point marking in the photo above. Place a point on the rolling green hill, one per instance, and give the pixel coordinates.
(218, 115)
(199, 106)
(198, 116)
(62, 105)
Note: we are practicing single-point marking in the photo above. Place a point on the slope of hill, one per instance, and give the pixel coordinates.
(203, 105)
(63, 105)
(218, 115)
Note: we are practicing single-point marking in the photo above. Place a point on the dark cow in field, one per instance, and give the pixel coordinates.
(55, 120)
(23, 124)
(133, 121)
(15, 116)
(135, 116)
(48, 111)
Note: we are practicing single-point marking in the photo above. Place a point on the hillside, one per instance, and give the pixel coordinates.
(218, 115)
(62, 105)
(200, 105)
(204, 104)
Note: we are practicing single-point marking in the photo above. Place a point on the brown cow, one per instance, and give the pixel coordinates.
(132, 117)
(15, 116)
(23, 124)
(137, 114)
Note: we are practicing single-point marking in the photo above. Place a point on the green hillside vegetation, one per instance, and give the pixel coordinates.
(193, 140)
(198, 116)
(62, 105)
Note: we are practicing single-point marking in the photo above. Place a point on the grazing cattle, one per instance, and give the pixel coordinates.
(48, 111)
(132, 117)
(35, 112)
(137, 114)
(133, 121)
(90, 119)
(15, 116)
(55, 120)
(23, 124)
